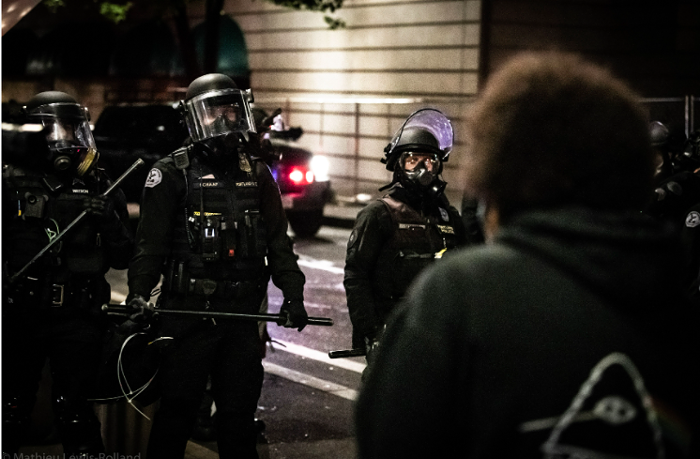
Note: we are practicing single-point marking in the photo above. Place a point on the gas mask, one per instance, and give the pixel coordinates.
(72, 149)
(420, 172)
(418, 150)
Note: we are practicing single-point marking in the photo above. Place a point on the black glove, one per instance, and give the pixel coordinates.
(140, 320)
(294, 314)
(371, 346)
(101, 207)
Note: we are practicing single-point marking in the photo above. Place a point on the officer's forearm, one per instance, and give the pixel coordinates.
(361, 305)
(144, 275)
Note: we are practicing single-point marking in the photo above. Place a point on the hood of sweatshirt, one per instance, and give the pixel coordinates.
(627, 257)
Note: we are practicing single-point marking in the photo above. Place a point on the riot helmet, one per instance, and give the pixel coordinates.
(66, 126)
(659, 134)
(660, 140)
(418, 150)
(217, 113)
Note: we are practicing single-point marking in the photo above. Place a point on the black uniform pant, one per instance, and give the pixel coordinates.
(71, 341)
(229, 351)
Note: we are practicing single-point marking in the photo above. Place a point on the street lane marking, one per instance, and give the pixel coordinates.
(324, 265)
(194, 450)
(311, 381)
(357, 367)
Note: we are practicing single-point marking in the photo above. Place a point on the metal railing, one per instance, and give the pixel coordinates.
(674, 111)
(678, 113)
(385, 114)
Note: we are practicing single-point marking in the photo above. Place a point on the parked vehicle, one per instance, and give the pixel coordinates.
(124, 133)
(304, 185)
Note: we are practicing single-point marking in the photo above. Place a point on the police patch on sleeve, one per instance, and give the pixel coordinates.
(443, 213)
(692, 220)
(154, 178)
(353, 238)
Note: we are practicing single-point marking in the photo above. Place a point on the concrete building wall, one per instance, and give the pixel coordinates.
(350, 88)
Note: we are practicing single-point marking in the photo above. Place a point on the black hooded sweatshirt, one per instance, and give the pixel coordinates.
(565, 336)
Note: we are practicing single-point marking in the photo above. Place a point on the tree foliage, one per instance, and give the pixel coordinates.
(177, 10)
(117, 12)
(323, 6)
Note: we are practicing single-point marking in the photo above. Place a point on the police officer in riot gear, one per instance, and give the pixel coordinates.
(51, 304)
(212, 223)
(677, 196)
(397, 236)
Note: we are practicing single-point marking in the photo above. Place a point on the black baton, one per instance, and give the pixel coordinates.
(356, 352)
(123, 310)
(139, 162)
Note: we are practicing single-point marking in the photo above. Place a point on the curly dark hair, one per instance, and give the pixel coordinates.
(551, 129)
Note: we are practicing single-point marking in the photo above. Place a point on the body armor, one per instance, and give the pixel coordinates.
(415, 243)
(35, 210)
(221, 236)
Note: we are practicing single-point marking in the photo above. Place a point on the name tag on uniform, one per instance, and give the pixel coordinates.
(411, 226)
(246, 184)
(209, 184)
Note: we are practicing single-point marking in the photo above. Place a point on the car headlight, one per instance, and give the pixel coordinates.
(319, 166)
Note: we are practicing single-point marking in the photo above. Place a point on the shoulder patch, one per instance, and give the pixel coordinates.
(353, 238)
(692, 219)
(155, 176)
(443, 213)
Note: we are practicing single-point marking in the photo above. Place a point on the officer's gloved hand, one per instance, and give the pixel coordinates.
(294, 313)
(140, 320)
(371, 346)
(101, 207)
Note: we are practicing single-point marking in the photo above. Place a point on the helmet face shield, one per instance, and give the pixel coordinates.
(218, 112)
(68, 136)
(432, 121)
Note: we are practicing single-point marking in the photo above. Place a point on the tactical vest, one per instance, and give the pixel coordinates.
(70, 276)
(415, 243)
(221, 235)
(35, 211)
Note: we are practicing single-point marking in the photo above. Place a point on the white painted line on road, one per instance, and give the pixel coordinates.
(311, 381)
(357, 367)
(324, 265)
(195, 451)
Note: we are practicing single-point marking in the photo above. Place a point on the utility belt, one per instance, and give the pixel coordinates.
(221, 290)
(177, 281)
(81, 294)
